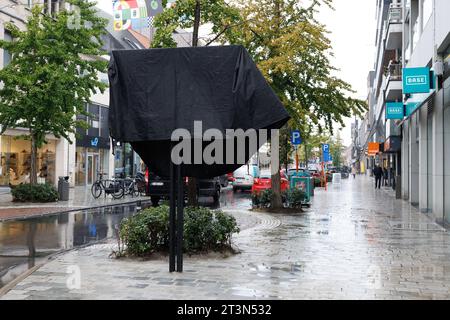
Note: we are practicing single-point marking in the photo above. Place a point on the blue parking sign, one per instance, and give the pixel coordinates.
(296, 138)
(326, 148)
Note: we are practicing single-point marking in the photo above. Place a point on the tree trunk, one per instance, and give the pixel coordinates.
(277, 202)
(286, 148)
(196, 24)
(306, 156)
(34, 164)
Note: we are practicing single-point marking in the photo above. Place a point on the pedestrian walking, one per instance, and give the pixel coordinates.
(354, 172)
(378, 173)
(385, 176)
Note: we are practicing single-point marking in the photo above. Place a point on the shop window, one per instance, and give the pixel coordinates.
(93, 120)
(104, 126)
(16, 161)
(6, 55)
(427, 10)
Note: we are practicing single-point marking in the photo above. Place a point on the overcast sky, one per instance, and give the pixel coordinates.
(352, 25)
(352, 32)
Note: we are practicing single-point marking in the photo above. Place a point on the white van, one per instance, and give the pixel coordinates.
(244, 177)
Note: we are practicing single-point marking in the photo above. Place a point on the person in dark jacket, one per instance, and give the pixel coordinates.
(385, 177)
(378, 173)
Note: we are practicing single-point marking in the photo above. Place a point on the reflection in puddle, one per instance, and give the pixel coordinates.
(24, 242)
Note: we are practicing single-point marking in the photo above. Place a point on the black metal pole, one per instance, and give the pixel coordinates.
(172, 216)
(180, 219)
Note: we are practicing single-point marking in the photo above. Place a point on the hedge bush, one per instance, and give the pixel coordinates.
(204, 230)
(292, 198)
(262, 199)
(34, 193)
(295, 198)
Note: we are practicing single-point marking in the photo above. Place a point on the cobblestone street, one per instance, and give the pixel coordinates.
(354, 243)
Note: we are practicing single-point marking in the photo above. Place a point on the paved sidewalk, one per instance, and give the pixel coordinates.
(79, 198)
(354, 243)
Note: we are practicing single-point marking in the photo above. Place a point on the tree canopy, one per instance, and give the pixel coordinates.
(217, 15)
(292, 50)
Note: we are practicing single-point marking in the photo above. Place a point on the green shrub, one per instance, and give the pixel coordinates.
(146, 232)
(34, 193)
(204, 230)
(295, 198)
(262, 199)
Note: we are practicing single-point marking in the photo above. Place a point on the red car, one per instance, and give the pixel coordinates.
(264, 182)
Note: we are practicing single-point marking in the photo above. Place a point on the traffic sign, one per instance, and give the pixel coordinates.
(296, 138)
(326, 148)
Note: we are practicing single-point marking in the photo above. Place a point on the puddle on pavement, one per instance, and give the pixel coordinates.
(25, 243)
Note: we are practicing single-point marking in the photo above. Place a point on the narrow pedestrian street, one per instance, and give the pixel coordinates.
(354, 243)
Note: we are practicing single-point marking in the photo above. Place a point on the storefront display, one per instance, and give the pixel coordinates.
(15, 155)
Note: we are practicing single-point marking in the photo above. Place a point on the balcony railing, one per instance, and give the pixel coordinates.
(393, 71)
(395, 13)
(395, 16)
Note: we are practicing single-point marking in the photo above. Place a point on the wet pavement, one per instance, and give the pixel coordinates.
(27, 242)
(354, 243)
(24, 243)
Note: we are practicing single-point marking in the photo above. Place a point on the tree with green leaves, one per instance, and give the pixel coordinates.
(337, 148)
(293, 52)
(216, 15)
(53, 72)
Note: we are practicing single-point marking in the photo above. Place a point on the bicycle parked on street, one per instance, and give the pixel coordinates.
(112, 187)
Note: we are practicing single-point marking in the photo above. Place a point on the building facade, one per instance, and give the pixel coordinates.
(412, 36)
(426, 128)
(91, 151)
(15, 152)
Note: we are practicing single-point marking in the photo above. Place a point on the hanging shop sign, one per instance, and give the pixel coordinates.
(395, 110)
(417, 80)
(373, 148)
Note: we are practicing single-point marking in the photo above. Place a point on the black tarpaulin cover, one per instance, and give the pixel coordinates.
(155, 91)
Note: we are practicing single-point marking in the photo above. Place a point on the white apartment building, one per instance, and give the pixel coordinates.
(426, 132)
(412, 34)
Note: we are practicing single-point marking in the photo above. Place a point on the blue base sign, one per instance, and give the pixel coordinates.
(416, 80)
(395, 110)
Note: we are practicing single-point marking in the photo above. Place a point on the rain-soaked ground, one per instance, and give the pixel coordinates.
(354, 243)
(28, 242)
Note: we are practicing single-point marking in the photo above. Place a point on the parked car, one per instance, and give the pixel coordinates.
(264, 182)
(244, 177)
(315, 173)
(159, 187)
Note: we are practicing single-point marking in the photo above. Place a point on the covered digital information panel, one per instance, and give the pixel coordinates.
(153, 92)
